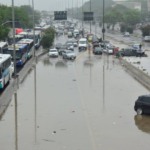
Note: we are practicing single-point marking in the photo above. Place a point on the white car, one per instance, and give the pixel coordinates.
(53, 52)
(83, 44)
(109, 49)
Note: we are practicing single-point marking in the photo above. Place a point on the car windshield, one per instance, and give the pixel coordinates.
(82, 42)
(70, 52)
(53, 50)
(98, 48)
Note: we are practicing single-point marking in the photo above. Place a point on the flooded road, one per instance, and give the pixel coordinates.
(86, 104)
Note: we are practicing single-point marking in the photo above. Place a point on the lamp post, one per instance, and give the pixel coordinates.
(90, 11)
(103, 28)
(33, 21)
(13, 24)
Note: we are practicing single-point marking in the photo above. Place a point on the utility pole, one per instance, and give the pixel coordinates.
(14, 47)
(103, 29)
(33, 21)
(90, 11)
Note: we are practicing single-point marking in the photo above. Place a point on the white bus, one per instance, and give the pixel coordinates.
(5, 69)
(3, 45)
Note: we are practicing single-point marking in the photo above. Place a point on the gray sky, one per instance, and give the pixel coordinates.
(49, 5)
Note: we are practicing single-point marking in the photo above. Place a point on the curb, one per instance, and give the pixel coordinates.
(138, 74)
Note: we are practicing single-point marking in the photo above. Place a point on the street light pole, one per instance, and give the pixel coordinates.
(14, 51)
(90, 11)
(103, 29)
(33, 21)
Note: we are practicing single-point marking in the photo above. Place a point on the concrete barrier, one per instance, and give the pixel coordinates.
(138, 74)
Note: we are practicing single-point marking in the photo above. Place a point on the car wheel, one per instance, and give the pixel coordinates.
(139, 111)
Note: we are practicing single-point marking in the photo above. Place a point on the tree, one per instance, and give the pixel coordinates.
(48, 38)
(23, 18)
(145, 30)
(4, 32)
(131, 17)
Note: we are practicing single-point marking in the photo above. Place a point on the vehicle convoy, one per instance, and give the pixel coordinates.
(142, 105)
(82, 44)
(53, 52)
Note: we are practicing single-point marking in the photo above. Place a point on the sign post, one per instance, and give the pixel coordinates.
(60, 15)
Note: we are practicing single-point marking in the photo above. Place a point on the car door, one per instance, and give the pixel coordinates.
(146, 105)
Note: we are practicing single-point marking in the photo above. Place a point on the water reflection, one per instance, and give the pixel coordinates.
(61, 64)
(103, 88)
(142, 123)
(88, 63)
(47, 62)
(35, 105)
(16, 120)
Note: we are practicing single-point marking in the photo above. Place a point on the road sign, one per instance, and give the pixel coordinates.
(60, 15)
(88, 16)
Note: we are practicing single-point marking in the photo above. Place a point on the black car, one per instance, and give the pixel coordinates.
(98, 50)
(58, 45)
(127, 52)
(142, 105)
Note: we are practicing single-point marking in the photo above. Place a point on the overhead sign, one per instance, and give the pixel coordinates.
(88, 16)
(60, 15)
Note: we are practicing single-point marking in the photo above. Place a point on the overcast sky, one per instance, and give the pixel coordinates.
(49, 5)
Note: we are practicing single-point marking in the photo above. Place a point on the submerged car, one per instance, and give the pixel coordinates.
(142, 105)
(68, 54)
(109, 49)
(98, 50)
(127, 52)
(53, 52)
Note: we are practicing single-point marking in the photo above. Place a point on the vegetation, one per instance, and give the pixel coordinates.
(48, 38)
(23, 18)
(128, 18)
(146, 30)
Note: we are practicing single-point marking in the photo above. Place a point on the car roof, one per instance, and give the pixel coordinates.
(83, 39)
(53, 49)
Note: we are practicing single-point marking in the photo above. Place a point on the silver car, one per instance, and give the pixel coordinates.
(68, 54)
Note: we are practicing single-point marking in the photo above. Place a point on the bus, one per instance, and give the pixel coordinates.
(5, 70)
(30, 43)
(21, 53)
(37, 36)
(3, 45)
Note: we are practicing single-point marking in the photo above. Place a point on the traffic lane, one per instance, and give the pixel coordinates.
(62, 112)
(54, 119)
(108, 96)
(115, 35)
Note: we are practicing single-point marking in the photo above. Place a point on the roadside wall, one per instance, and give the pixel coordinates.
(138, 74)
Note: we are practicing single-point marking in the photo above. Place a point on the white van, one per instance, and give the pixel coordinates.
(76, 33)
(82, 44)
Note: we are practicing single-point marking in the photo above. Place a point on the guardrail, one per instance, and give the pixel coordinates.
(138, 74)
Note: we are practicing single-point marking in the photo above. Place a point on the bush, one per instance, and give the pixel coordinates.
(145, 30)
(123, 28)
(130, 29)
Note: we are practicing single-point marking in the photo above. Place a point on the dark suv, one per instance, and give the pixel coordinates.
(142, 105)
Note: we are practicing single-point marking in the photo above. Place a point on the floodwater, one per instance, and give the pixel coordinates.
(82, 104)
(86, 104)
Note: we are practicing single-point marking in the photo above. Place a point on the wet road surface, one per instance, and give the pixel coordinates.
(78, 105)
(86, 104)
